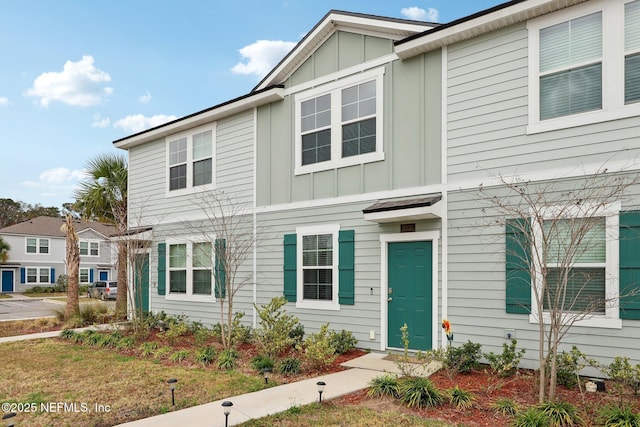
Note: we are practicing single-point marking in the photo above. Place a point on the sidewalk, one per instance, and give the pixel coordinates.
(280, 398)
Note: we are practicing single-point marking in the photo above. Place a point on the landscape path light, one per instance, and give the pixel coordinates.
(321, 385)
(265, 374)
(172, 386)
(9, 419)
(226, 408)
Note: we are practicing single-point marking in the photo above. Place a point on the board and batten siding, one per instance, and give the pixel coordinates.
(148, 201)
(487, 103)
(477, 285)
(362, 317)
(411, 129)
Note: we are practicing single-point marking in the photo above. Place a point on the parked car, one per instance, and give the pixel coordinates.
(103, 290)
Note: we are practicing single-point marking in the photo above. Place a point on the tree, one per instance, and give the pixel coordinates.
(226, 241)
(73, 267)
(554, 233)
(12, 212)
(103, 197)
(4, 250)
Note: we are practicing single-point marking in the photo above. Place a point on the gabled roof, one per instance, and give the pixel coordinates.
(491, 19)
(48, 226)
(336, 20)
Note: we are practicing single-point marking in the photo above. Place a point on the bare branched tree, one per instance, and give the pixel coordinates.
(556, 247)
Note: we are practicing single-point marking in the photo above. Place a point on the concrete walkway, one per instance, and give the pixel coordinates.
(280, 398)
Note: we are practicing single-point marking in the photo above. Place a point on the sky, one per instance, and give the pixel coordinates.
(75, 75)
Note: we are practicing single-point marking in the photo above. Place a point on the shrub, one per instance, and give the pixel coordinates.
(532, 417)
(175, 330)
(108, 340)
(384, 385)
(561, 414)
(125, 343)
(147, 348)
(465, 358)
(276, 327)
(289, 366)
(162, 352)
(297, 334)
(262, 362)
(624, 373)
(68, 334)
(240, 333)
(179, 356)
(201, 334)
(461, 399)
(342, 341)
(227, 359)
(506, 364)
(206, 355)
(569, 365)
(419, 392)
(619, 416)
(318, 352)
(505, 406)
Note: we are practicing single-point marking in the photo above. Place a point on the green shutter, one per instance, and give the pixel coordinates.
(290, 267)
(220, 268)
(630, 265)
(162, 268)
(345, 267)
(518, 276)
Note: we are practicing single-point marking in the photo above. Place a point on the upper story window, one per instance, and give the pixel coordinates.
(340, 124)
(89, 248)
(37, 246)
(190, 160)
(584, 67)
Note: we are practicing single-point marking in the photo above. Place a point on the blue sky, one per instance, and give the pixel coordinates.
(76, 75)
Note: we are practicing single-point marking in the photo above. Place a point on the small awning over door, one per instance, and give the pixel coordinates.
(405, 209)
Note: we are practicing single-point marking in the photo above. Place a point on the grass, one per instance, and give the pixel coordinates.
(22, 327)
(4, 296)
(55, 371)
(329, 414)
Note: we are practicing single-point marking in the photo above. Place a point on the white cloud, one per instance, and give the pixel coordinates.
(100, 122)
(78, 84)
(145, 98)
(418, 14)
(138, 122)
(56, 179)
(4, 100)
(262, 56)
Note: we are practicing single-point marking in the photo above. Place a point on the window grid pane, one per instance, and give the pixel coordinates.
(202, 282)
(359, 101)
(94, 248)
(570, 92)
(632, 26)
(32, 246)
(178, 177)
(316, 147)
(202, 145)
(632, 78)
(584, 292)
(177, 256)
(359, 138)
(202, 172)
(44, 246)
(178, 281)
(562, 234)
(44, 275)
(32, 275)
(316, 113)
(202, 255)
(178, 151)
(84, 275)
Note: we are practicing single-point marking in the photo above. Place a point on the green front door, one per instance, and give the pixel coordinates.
(141, 282)
(409, 293)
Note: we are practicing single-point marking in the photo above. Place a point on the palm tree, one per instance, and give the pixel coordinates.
(73, 267)
(103, 197)
(4, 250)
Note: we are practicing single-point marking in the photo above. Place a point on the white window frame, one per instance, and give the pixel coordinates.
(334, 304)
(190, 189)
(38, 245)
(88, 270)
(89, 243)
(613, 56)
(611, 318)
(189, 295)
(335, 89)
(38, 271)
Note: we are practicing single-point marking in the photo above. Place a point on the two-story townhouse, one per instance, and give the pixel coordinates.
(38, 251)
(366, 157)
(545, 92)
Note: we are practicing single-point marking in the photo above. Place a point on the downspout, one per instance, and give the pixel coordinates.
(444, 179)
(255, 218)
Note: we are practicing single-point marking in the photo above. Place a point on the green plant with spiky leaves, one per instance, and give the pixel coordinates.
(384, 385)
(420, 392)
(460, 398)
(622, 415)
(505, 406)
(561, 414)
(532, 417)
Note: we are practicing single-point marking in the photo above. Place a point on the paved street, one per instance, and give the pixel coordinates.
(26, 309)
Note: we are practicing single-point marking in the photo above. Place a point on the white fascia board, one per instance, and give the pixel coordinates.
(482, 24)
(207, 116)
(344, 22)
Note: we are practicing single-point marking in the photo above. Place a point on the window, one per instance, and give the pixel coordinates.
(38, 275)
(191, 269)
(340, 124)
(37, 246)
(190, 160)
(584, 246)
(84, 275)
(319, 267)
(89, 248)
(584, 67)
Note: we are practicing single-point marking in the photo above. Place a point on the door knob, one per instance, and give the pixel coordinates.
(389, 299)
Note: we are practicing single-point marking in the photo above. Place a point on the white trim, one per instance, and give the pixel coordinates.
(13, 278)
(190, 188)
(335, 88)
(302, 231)
(385, 239)
(612, 60)
(37, 282)
(89, 242)
(37, 239)
(444, 137)
(255, 220)
(189, 295)
(611, 318)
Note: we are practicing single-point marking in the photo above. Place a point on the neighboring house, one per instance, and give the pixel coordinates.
(38, 251)
(362, 154)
